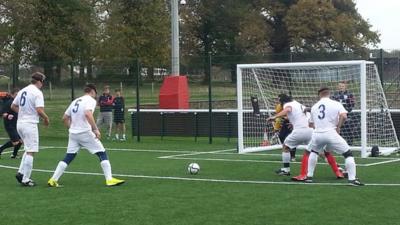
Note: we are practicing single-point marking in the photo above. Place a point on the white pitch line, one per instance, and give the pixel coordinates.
(195, 153)
(380, 163)
(205, 179)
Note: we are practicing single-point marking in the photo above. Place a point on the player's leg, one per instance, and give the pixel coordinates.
(123, 129)
(285, 170)
(72, 150)
(340, 146)
(109, 122)
(303, 167)
(332, 162)
(317, 145)
(8, 144)
(94, 146)
(16, 141)
(100, 120)
(31, 141)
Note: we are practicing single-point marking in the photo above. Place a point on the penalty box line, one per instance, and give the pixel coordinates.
(205, 179)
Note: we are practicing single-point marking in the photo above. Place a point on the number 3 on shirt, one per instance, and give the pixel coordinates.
(76, 106)
(321, 112)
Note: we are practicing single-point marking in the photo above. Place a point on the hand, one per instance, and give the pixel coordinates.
(270, 118)
(46, 121)
(5, 115)
(10, 116)
(97, 133)
(338, 130)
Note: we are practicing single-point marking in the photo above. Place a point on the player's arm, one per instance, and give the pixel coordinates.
(282, 113)
(342, 119)
(43, 115)
(67, 120)
(91, 121)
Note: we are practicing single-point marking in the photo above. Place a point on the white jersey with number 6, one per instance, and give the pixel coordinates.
(325, 115)
(76, 111)
(296, 115)
(28, 99)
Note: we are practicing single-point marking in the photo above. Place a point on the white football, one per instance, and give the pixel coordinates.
(193, 168)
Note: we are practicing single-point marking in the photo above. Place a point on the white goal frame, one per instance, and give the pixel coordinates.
(363, 102)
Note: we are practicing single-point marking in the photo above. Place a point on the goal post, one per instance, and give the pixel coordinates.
(369, 121)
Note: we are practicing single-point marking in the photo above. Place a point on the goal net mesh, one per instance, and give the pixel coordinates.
(264, 82)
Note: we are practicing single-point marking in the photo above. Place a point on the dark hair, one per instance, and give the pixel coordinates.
(323, 89)
(117, 90)
(284, 98)
(37, 76)
(89, 87)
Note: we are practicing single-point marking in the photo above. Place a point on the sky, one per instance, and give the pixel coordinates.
(384, 16)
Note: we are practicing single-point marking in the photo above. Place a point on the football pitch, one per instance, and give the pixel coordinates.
(229, 189)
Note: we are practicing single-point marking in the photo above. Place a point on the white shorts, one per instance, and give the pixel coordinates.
(29, 134)
(86, 140)
(330, 141)
(299, 136)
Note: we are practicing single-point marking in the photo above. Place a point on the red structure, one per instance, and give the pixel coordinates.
(174, 93)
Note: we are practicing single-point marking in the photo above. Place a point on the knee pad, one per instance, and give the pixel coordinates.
(347, 154)
(69, 157)
(102, 156)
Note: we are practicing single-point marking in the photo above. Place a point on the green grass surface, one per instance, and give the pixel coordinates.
(230, 188)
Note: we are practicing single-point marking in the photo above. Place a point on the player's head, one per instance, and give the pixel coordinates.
(324, 92)
(284, 98)
(38, 79)
(117, 92)
(342, 86)
(90, 89)
(14, 92)
(106, 89)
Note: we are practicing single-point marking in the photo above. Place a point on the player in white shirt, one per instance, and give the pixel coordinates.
(83, 132)
(301, 133)
(29, 104)
(327, 117)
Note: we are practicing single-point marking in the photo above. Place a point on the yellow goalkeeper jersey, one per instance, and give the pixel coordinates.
(278, 121)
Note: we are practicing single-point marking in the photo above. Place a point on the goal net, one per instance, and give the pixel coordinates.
(369, 121)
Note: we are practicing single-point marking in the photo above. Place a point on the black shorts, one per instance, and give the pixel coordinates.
(119, 117)
(12, 133)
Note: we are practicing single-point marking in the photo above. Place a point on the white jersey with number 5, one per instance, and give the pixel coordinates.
(325, 114)
(296, 115)
(76, 111)
(28, 99)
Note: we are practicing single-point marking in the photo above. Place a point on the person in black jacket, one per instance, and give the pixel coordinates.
(10, 124)
(106, 106)
(119, 115)
(346, 98)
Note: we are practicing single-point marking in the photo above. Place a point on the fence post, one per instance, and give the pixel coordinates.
(137, 100)
(382, 62)
(209, 100)
(72, 82)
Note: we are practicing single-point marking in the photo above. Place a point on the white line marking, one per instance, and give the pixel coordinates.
(204, 179)
(380, 163)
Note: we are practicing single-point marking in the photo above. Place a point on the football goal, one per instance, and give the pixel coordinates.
(369, 122)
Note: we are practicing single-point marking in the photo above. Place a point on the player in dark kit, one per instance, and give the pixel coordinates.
(119, 115)
(10, 124)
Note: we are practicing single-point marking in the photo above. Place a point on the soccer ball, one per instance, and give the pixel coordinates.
(193, 168)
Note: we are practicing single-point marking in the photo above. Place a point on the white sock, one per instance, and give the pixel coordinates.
(123, 136)
(21, 165)
(117, 136)
(59, 170)
(286, 160)
(106, 166)
(312, 163)
(350, 167)
(27, 168)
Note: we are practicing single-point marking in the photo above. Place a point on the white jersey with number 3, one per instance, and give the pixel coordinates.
(296, 115)
(28, 99)
(76, 111)
(325, 114)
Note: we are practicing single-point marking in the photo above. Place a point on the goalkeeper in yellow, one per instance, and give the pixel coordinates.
(283, 127)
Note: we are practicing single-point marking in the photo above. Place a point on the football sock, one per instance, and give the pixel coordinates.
(123, 136)
(332, 162)
(21, 165)
(351, 167)
(6, 145)
(117, 136)
(59, 170)
(304, 163)
(28, 164)
(106, 166)
(16, 148)
(286, 161)
(312, 162)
